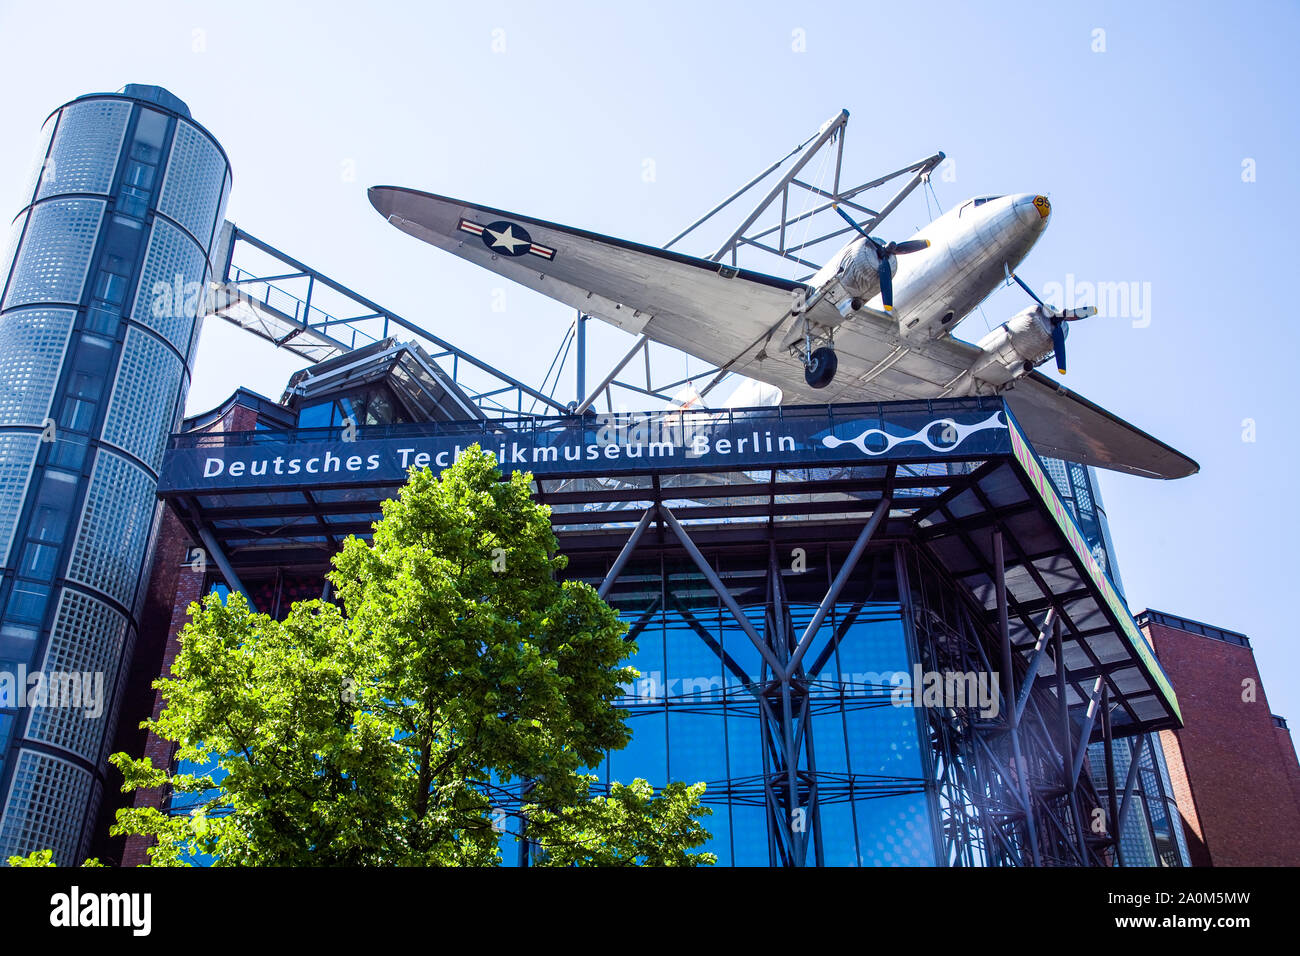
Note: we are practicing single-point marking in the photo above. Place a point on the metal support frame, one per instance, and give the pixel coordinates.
(1011, 711)
(219, 556)
(280, 302)
(791, 786)
(820, 226)
(1109, 748)
(1001, 805)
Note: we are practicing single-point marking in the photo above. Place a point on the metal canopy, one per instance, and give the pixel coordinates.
(983, 518)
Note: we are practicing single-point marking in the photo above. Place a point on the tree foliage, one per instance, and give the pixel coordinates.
(390, 728)
(42, 858)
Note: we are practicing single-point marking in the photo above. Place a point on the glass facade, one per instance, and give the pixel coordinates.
(869, 782)
(99, 308)
(696, 716)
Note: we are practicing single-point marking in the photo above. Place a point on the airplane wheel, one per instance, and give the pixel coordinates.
(821, 368)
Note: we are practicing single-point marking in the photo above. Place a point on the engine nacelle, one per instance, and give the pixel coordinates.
(1014, 347)
(858, 269)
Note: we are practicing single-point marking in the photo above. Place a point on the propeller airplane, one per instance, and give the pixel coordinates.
(873, 324)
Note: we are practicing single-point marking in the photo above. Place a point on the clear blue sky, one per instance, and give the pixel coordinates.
(1140, 148)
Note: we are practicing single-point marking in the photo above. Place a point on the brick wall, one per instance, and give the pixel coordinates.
(1239, 794)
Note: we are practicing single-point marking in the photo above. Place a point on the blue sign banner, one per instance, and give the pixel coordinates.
(620, 443)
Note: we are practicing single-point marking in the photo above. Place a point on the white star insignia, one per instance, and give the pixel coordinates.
(506, 240)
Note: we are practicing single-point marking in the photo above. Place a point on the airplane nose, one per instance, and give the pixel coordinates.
(1033, 209)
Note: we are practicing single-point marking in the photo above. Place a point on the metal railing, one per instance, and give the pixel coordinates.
(673, 423)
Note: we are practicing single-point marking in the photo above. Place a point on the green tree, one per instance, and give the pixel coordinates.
(382, 731)
(42, 858)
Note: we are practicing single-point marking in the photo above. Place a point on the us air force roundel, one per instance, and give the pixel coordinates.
(506, 238)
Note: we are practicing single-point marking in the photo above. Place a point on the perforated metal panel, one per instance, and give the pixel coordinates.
(140, 414)
(196, 174)
(114, 528)
(45, 807)
(51, 265)
(11, 247)
(17, 456)
(38, 160)
(32, 345)
(87, 639)
(86, 148)
(171, 254)
(108, 742)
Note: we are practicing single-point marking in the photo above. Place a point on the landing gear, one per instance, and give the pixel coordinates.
(820, 368)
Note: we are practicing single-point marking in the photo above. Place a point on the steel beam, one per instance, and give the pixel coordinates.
(1009, 696)
(586, 403)
(232, 579)
(851, 562)
(721, 590)
(1089, 720)
(828, 130)
(1040, 649)
(1108, 743)
(629, 546)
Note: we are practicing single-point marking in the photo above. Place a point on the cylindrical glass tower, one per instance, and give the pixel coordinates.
(100, 293)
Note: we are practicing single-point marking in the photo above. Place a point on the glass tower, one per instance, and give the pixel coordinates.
(100, 290)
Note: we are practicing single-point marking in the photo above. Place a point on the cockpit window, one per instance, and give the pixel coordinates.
(976, 202)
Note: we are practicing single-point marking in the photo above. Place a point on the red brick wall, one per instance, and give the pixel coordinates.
(1240, 769)
(1193, 832)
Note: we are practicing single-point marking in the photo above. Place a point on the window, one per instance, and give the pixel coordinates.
(140, 175)
(39, 561)
(27, 602)
(53, 506)
(972, 203)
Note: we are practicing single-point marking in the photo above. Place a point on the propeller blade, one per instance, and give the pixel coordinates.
(1058, 345)
(1030, 292)
(911, 245)
(886, 283)
(849, 219)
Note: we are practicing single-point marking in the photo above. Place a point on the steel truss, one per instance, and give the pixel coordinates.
(295, 307)
(798, 206)
(1007, 791)
(300, 309)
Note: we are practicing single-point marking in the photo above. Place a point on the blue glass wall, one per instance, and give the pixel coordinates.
(695, 716)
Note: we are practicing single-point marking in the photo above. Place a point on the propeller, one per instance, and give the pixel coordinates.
(883, 251)
(1058, 317)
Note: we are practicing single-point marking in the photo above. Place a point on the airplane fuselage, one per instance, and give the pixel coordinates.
(969, 247)
(935, 288)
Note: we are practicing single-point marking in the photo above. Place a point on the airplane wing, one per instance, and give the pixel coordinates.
(735, 318)
(875, 365)
(1062, 424)
(696, 305)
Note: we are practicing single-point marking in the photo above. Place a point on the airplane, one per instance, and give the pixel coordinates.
(874, 324)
